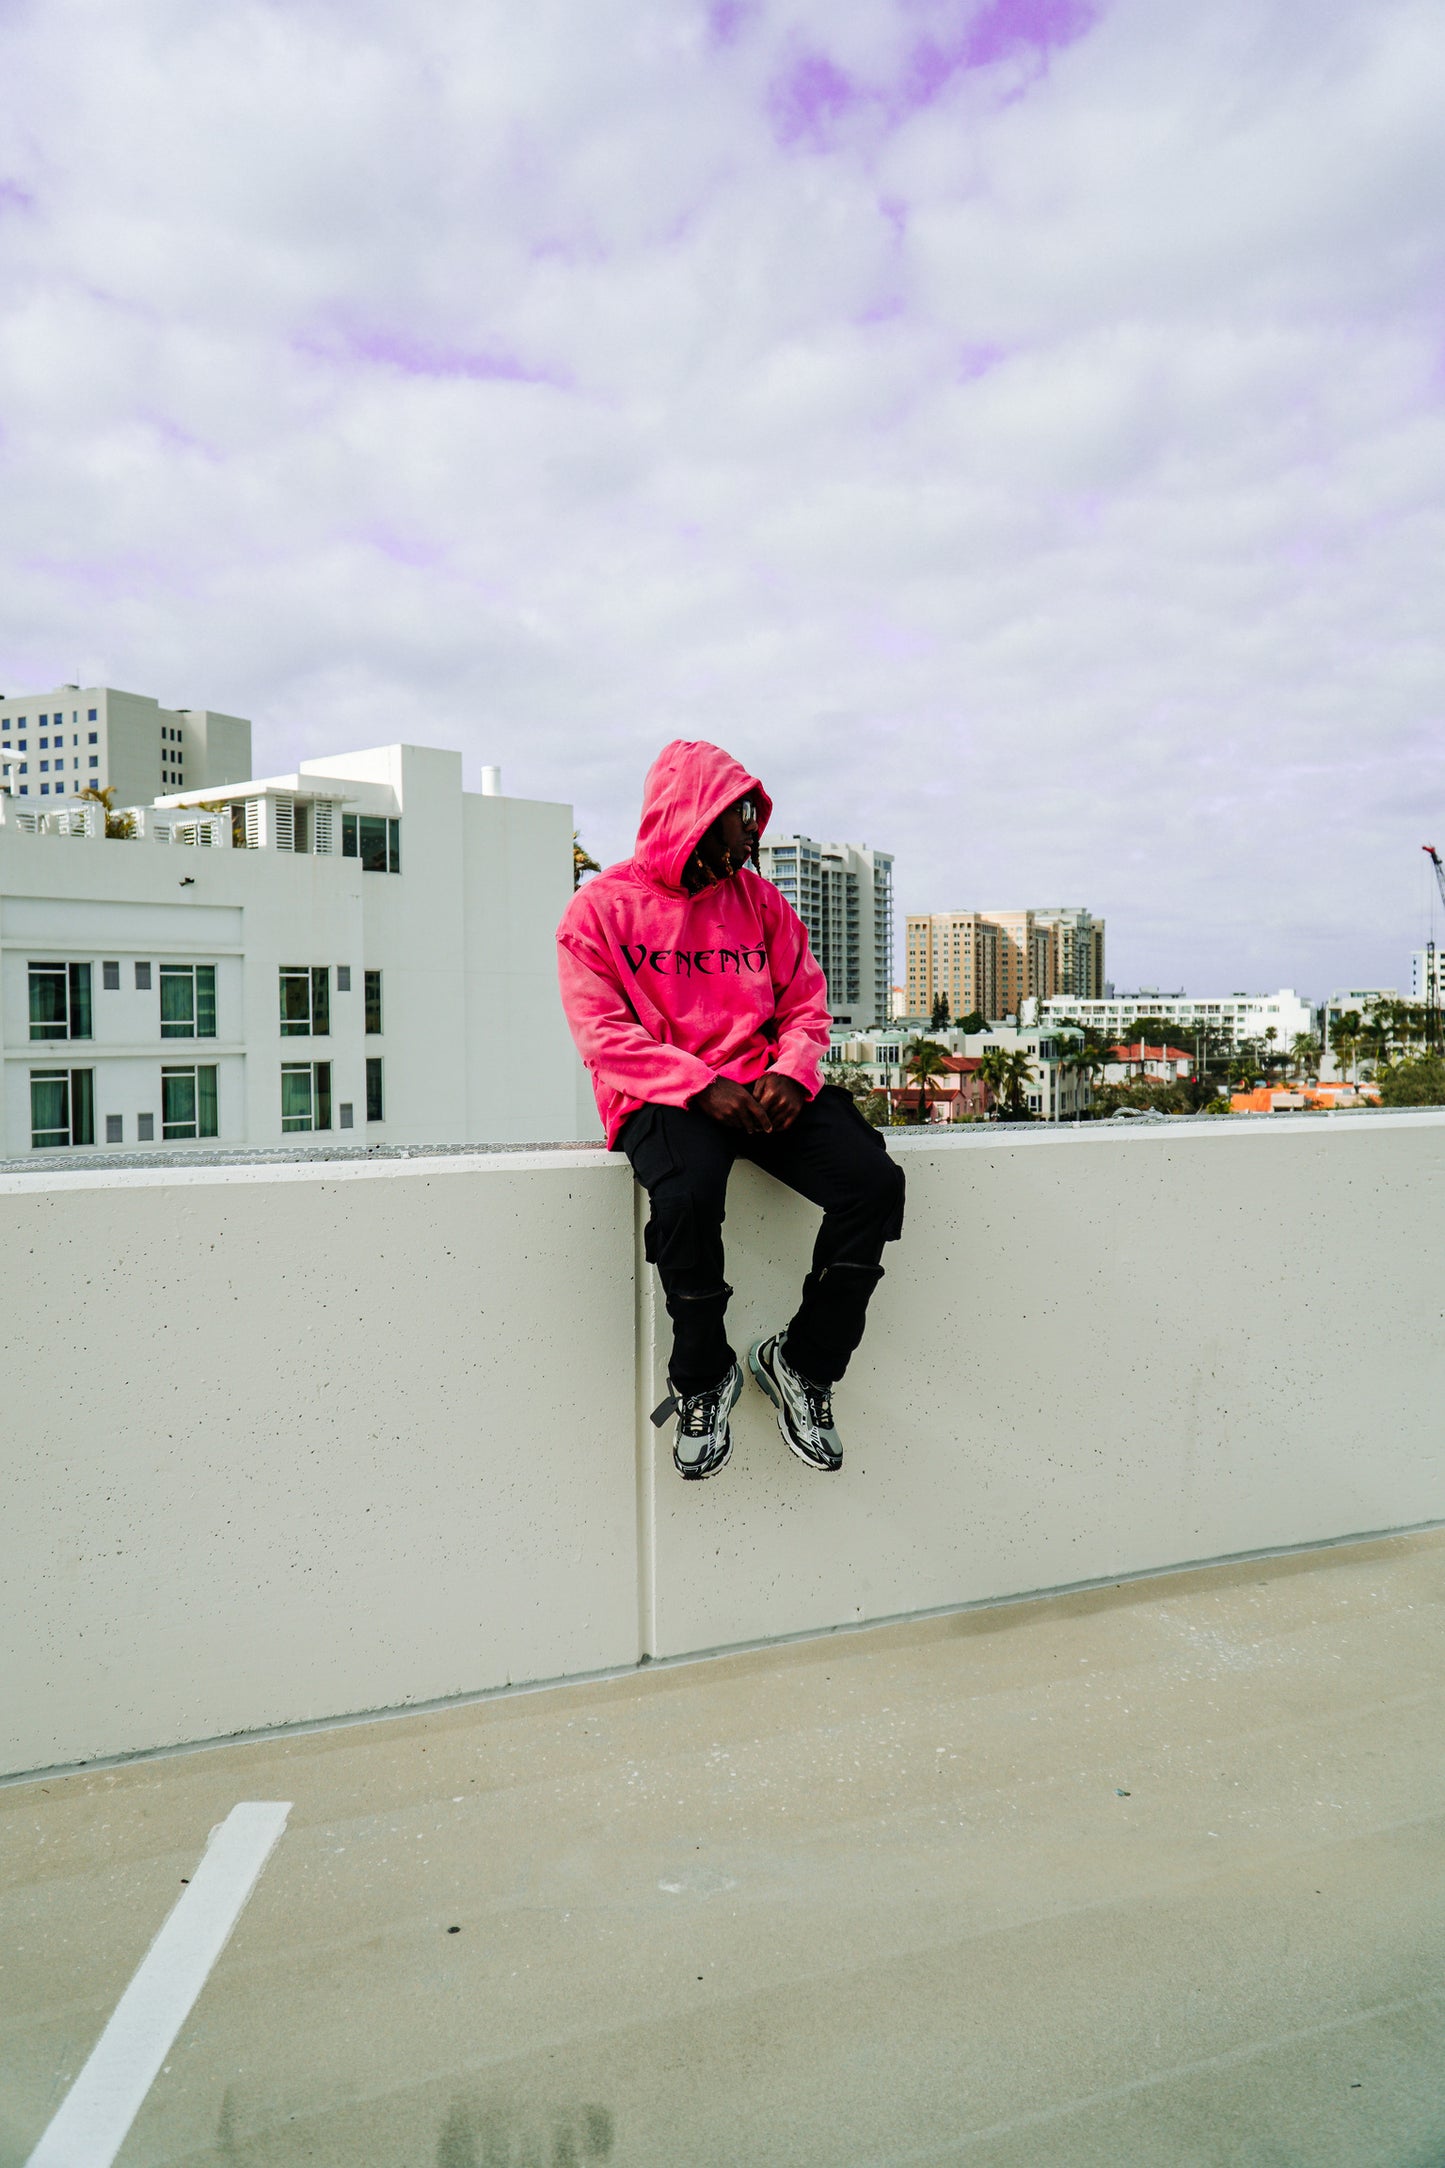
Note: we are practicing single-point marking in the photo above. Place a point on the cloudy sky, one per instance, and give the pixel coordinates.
(1016, 427)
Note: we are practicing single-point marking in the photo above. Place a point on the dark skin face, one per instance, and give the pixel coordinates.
(774, 1102)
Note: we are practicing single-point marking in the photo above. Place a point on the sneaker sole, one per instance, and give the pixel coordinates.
(761, 1379)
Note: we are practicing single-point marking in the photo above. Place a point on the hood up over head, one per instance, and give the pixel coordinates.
(687, 786)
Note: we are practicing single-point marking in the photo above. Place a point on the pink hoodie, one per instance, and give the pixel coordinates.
(663, 990)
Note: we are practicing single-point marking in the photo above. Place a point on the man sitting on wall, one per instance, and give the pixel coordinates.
(697, 1006)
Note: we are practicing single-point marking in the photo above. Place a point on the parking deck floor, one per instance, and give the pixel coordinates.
(1152, 1874)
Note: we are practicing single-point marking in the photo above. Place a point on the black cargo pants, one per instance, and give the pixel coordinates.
(832, 1157)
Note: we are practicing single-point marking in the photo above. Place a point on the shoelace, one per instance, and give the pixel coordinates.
(699, 1415)
(820, 1402)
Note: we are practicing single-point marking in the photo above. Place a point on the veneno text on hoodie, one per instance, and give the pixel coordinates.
(665, 990)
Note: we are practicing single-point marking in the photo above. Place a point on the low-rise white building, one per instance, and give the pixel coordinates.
(1056, 1092)
(1138, 1063)
(361, 951)
(1235, 1017)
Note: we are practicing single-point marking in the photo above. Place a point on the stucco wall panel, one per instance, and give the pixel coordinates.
(1092, 1354)
(283, 1450)
(286, 1442)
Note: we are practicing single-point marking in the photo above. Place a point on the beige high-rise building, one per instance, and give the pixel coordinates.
(994, 961)
(1076, 952)
(79, 737)
(954, 954)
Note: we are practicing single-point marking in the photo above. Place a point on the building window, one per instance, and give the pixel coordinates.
(376, 842)
(375, 1100)
(373, 1001)
(60, 1001)
(188, 1001)
(343, 978)
(110, 978)
(348, 1114)
(95, 760)
(305, 1002)
(115, 1129)
(142, 978)
(145, 1129)
(189, 1102)
(62, 1107)
(305, 1095)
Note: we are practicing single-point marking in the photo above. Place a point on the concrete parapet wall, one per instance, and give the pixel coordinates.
(291, 1442)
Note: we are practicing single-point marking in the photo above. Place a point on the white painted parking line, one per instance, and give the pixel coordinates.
(90, 2126)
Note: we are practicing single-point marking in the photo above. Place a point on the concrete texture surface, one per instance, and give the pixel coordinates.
(1093, 1353)
(295, 1442)
(334, 1443)
(1150, 1875)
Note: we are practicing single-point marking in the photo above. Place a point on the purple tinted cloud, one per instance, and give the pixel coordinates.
(15, 198)
(1007, 25)
(424, 358)
(815, 92)
(997, 32)
(812, 94)
(725, 19)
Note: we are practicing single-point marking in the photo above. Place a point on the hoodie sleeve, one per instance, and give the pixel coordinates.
(800, 992)
(613, 1044)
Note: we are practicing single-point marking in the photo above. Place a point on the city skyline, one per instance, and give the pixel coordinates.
(1013, 426)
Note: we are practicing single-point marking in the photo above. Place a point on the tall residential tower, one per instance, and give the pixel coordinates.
(843, 892)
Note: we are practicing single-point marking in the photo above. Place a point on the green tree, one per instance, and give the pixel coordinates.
(119, 826)
(925, 1061)
(1345, 1040)
(1008, 1072)
(851, 1077)
(939, 1019)
(583, 862)
(1419, 1081)
(1304, 1054)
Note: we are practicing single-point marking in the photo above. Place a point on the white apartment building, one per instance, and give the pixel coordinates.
(843, 892)
(80, 737)
(360, 951)
(1235, 1016)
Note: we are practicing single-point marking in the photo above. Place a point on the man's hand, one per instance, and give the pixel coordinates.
(732, 1105)
(781, 1098)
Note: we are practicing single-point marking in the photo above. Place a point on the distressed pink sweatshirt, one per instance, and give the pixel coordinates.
(663, 990)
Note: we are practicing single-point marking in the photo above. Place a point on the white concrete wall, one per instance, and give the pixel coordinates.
(289, 1443)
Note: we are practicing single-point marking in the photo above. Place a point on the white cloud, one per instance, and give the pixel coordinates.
(1043, 480)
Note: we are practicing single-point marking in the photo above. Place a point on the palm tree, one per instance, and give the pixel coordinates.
(1007, 1072)
(1018, 1075)
(1088, 1055)
(1304, 1054)
(121, 825)
(582, 860)
(925, 1061)
(1345, 1040)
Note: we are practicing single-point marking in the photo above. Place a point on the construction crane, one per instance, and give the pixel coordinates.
(1432, 969)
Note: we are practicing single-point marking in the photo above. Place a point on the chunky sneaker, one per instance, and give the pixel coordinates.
(805, 1410)
(703, 1440)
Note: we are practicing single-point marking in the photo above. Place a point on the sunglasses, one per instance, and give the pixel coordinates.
(747, 812)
